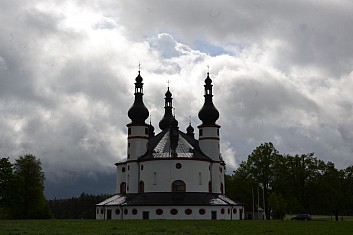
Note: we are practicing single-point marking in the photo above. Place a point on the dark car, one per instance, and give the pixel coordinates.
(304, 217)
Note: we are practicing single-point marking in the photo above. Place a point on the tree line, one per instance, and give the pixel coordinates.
(82, 207)
(22, 194)
(291, 184)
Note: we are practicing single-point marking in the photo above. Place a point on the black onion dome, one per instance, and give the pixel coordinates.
(138, 112)
(168, 94)
(190, 129)
(208, 114)
(139, 79)
(208, 80)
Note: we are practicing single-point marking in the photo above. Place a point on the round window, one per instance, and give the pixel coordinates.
(188, 211)
(234, 211)
(202, 211)
(222, 211)
(134, 211)
(174, 211)
(123, 169)
(117, 211)
(159, 211)
(125, 211)
(178, 165)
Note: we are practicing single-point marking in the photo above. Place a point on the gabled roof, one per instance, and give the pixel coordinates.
(169, 199)
(159, 147)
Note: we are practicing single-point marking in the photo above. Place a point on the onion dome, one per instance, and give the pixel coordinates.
(208, 114)
(190, 130)
(168, 107)
(138, 112)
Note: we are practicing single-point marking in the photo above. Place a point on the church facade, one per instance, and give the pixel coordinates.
(171, 175)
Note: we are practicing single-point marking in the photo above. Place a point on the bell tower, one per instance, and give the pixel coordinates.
(209, 139)
(138, 135)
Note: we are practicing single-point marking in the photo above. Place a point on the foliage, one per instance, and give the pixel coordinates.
(82, 207)
(292, 183)
(278, 205)
(6, 178)
(22, 187)
(259, 168)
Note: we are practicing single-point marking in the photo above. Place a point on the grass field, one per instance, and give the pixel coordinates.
(321, 226)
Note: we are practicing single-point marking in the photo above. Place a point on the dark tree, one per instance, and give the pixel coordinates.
(32, 203)
(347, 190)
(278, 206)
(260, 166)
(6, 178)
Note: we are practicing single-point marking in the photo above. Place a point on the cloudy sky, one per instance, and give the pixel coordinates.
(282, 73)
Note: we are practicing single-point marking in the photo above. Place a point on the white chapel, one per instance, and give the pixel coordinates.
(171, 175)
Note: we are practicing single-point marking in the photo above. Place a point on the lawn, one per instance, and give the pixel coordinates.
(174, 227)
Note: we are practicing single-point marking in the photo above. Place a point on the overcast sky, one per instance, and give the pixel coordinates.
(282, 72)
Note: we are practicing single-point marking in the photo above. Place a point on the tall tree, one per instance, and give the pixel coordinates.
(28, 169)
(260, 166)
(6, 176)
(347, 190)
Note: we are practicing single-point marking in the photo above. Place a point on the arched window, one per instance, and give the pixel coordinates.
(141, 187)
(200, 178)
(178, 186)
(123, 188)
(221, 188)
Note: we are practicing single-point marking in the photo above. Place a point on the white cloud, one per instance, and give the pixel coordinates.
(282, 72)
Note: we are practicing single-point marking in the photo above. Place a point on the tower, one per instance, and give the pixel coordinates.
(138, 135)
(168, 107)
(209, 138)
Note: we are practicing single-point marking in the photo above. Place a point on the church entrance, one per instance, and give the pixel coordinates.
(214, 215)
(145, 215)
(109, 214)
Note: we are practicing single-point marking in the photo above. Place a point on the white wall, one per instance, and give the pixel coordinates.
(120, 176)
(223, 212)
(166, 172)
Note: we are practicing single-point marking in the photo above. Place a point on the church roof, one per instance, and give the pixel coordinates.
(169, 199)
(159, 146)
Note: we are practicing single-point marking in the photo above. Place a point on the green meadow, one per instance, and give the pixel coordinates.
(317, 226)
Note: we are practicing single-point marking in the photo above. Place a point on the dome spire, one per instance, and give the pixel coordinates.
(190, 129)
(208, 114)
(168, 110)
(138, 112)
